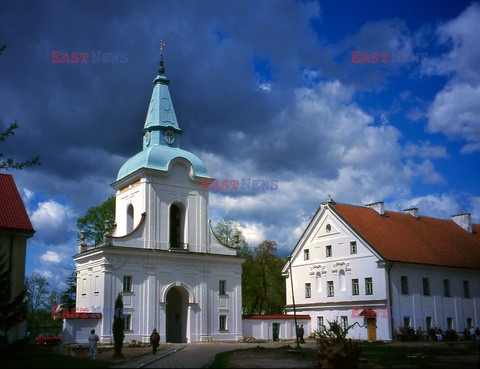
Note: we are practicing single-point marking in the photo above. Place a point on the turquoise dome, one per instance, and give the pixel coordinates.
(159, 157)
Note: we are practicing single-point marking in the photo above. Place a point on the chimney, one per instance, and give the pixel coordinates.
(377, 206)
(464, 220)
(412, 211)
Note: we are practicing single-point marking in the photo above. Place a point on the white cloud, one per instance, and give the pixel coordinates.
(455, 110)
(51, 256)
(440, 205)
(53, 221)
(424, 150)
(51, 214)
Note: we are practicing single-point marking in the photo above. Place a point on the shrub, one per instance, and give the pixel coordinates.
(334, 350)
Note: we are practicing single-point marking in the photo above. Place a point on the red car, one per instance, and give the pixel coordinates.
(48, 338)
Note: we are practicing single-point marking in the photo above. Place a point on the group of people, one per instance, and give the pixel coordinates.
(474, 335)
(93, 343)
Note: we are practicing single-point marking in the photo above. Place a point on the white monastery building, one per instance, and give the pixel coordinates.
(384, 270)
(163, 257)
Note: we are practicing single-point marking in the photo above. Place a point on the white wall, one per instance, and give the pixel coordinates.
(417, 306)
(263, 328)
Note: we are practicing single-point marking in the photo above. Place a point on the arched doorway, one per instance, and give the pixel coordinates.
(176, 315)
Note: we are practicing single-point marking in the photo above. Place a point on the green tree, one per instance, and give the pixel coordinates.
(118, 327)
(272, 296)
(228, 231)
(13, 309)
(263, 286)
(68, 297)
(93, 222)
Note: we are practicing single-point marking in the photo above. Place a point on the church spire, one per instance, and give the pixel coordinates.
(161, 125)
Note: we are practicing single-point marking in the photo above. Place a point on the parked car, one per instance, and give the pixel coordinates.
(48, 338)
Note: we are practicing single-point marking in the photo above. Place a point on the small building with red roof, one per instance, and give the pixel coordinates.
(15, 230)
(386, 272)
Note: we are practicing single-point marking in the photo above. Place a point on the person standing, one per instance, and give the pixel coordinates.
(301, 332)
(154, 340)
(92, 340)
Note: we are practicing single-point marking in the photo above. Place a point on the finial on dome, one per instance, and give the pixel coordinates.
(161, 69)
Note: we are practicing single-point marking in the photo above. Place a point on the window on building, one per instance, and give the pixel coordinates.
(176, 226)
(308, 290)
(330, 290)
(426, 286)
(404, 283)
(84, 286)
(341, 280)
(449, 323)
(406, 322)
(222, 287)
(344, 322)
(368, 286)
(127, 283)
(446, 287)
(320, 322)
(353, 247)
(130, 218)
(306, 254)
(355, 287)
(128, 322)
(428, 322)
(96, 284)
(222, 322)
(466, 289)
(469, 323)
(329, 251)
(318, 281)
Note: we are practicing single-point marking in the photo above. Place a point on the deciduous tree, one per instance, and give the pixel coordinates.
(93, 222)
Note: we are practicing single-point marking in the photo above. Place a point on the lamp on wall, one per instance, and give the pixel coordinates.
(289, 258)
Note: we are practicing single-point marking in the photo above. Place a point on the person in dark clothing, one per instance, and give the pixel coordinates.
(154, 341)
(301, 332)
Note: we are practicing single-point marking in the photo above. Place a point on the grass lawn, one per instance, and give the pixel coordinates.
(420, 355)
(43, 357)
(381, 355)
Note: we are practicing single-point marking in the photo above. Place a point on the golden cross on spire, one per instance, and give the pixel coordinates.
(161, 44)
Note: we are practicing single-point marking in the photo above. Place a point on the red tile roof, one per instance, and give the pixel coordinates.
(276, 316)
(13, 215)
(422, 240)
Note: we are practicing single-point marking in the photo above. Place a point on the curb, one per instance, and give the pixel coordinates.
(160, 356)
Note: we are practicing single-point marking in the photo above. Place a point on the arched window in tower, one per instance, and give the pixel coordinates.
(130, 218)
(176, 226)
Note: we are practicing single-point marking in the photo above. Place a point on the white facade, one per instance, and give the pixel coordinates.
(279, 327)
(163, 257)
(337, 274)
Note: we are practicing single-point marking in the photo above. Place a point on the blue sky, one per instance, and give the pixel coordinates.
(262, 90)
